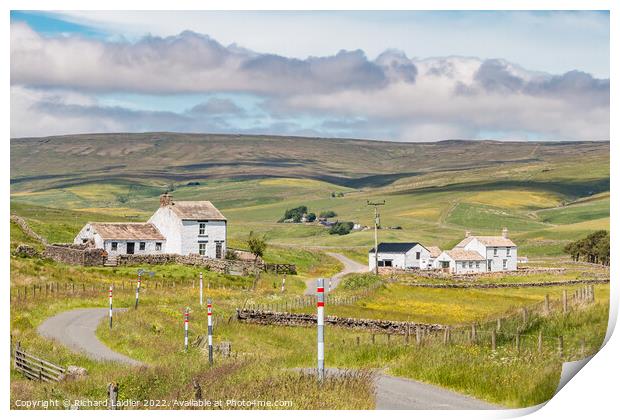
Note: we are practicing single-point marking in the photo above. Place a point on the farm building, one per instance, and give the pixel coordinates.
(461, 261)
(122, 238)
(435, 252)
(402, 255)
(496, 253)
(177, 227)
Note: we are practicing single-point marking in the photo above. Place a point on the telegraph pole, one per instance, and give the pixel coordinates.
(375, 204)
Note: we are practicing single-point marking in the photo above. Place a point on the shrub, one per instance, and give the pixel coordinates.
(328, 213)
(295, 214)
(341, 228)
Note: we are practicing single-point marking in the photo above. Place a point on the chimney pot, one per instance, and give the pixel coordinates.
(505, 232)
(165, 199)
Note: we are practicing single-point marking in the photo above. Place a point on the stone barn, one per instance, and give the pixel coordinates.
(122, 238)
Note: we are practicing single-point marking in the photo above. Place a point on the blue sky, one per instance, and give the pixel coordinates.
(403, 76)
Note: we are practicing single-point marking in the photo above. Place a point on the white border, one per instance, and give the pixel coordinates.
(593, 394)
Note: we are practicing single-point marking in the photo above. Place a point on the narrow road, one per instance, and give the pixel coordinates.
(393, 393)
(405, 394)
(350, 266)
(76, 330)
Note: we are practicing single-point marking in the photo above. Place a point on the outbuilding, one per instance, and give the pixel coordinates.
(401, 255)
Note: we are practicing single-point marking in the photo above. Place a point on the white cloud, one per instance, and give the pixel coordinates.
(55, 82)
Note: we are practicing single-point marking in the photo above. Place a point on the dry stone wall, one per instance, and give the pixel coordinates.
(294, 319)
(217, 265)
(75, 254)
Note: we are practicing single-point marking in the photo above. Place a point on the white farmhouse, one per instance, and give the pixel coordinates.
(461, 261)
(191, 227)
(177, 227)
(476, 254)
(402, 255)
(435, 252)
(499, 252)
(122, 238)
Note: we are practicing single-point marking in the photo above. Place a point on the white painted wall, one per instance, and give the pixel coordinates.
(460, 267)
(121, 247)
(215, 232)
(403, 260)
(509, 254)
(170, 227)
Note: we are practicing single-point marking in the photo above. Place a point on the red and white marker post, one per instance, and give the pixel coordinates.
(110, 299)
(186, 326)
(210, 330)
(320, 309)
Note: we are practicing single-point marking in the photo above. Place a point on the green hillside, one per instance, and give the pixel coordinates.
(545, 193)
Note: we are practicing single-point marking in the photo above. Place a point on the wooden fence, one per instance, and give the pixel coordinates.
(33, 367)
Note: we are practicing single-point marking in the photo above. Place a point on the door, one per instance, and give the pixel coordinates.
(131, 246)
(488, 265)
(218, 250)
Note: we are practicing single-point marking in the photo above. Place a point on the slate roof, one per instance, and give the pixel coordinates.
(196, 210)
(127, 231)
(487, 241)
(459, 254)
(395, 247)
(434, 250)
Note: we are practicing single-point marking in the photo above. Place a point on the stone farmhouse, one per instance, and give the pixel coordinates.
(479, 254)
(401, 255)
(177, 227)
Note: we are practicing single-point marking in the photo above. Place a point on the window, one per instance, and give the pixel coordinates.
(157, 246)
(508, 252)
(380, 263)
(417, 255)
(202, 228)
(495, 252)
(114, 246)
(202, 248)
(477, 264)
(471, 264)
(142, 246)
(388, 263)
(504, 264)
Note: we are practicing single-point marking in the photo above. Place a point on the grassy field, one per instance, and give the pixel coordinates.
(262, 370)
(547, 194)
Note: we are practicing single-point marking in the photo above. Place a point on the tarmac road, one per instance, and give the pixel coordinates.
(76, 330)
(350, 266)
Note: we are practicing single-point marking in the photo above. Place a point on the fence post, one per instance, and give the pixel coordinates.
(493, 348)
(473, 333)
(564, 301)
(499, 324)
(418, 338)
(283, 282)
(583, 348)
(407, 334)
(112, 395)
(110, 298)
(200, 285)
(446, 335)
(186, 327)
(525, 315)
(210, 330)
(357, 340)
(592, 294)
(540, 342)
(320, 323)
(373, 339)
(547, 304)
(561, 346)
(138, 289)
(518, 342)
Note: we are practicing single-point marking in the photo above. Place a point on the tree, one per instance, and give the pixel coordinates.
(341, 228)
(257, 245)
(295, 214)
(311, 217)
(594, 248)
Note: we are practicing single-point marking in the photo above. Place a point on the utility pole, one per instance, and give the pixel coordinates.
(375, 204)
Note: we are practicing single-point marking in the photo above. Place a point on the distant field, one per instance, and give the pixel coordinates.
(546, 194)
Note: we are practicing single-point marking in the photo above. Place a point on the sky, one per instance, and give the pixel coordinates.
(398, 76)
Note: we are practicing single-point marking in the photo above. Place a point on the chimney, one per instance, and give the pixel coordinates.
(505, 232)
(467, 233)
(165, 199)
